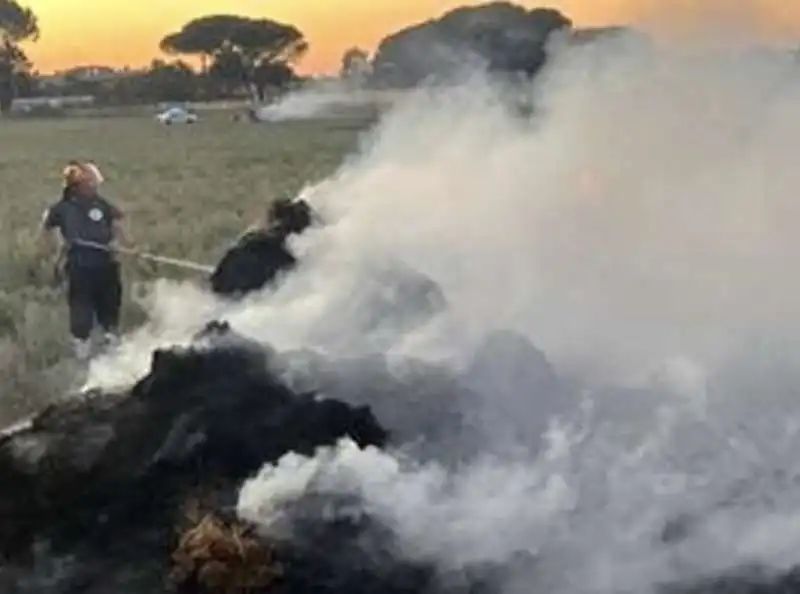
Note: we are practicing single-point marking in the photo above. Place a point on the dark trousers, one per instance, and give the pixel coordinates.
(93, 293)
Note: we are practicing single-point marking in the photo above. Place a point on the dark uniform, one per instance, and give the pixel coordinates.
(93, 275)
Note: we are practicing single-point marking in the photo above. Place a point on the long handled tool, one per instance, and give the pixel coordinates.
(187, 264)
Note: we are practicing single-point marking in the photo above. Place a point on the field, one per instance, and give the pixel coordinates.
(188, 191)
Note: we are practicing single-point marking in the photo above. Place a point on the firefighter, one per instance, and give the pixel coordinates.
(94, 284)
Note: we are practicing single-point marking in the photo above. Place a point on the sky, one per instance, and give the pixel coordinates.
(99, 32)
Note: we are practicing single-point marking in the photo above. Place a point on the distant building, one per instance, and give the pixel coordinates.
(87, 74)
(28, 104)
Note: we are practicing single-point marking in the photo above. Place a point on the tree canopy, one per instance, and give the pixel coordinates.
(246, 55)
(500, 36)
(242, 50)
(17, 24)
(355, 63)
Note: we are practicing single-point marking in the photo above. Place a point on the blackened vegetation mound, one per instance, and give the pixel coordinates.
(397, 297)
(255, 261)
(103, 480)
(436, 413)
(259, 256)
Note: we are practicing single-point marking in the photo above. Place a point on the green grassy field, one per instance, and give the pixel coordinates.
(188, 191)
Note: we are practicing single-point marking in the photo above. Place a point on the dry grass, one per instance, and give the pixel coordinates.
(222, 556)
(188, 190)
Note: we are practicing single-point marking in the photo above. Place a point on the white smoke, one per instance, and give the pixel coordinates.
(643, 219)
(484, 514)
(320, 99)
(642, 214)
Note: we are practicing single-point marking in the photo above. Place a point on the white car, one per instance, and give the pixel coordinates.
(176, 115)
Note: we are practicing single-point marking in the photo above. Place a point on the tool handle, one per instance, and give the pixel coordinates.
(146, 256)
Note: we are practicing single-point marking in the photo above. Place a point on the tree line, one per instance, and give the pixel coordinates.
(247, 57)
(238, 56)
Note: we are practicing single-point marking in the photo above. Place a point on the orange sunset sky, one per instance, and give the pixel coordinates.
(117, 33)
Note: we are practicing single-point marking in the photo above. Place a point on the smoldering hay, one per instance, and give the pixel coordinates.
(605, 400)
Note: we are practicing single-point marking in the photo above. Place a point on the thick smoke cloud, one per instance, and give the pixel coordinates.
(639, 229)
(641, 214)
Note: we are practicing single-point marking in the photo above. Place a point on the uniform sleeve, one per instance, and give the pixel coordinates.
(51, 218)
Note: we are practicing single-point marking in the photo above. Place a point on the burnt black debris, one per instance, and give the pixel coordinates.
(392, 299)
(259, 256)
(420, 404)
(399, 297)
(92, 490)
(101, 481)
(84, 474)
(255, 261)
